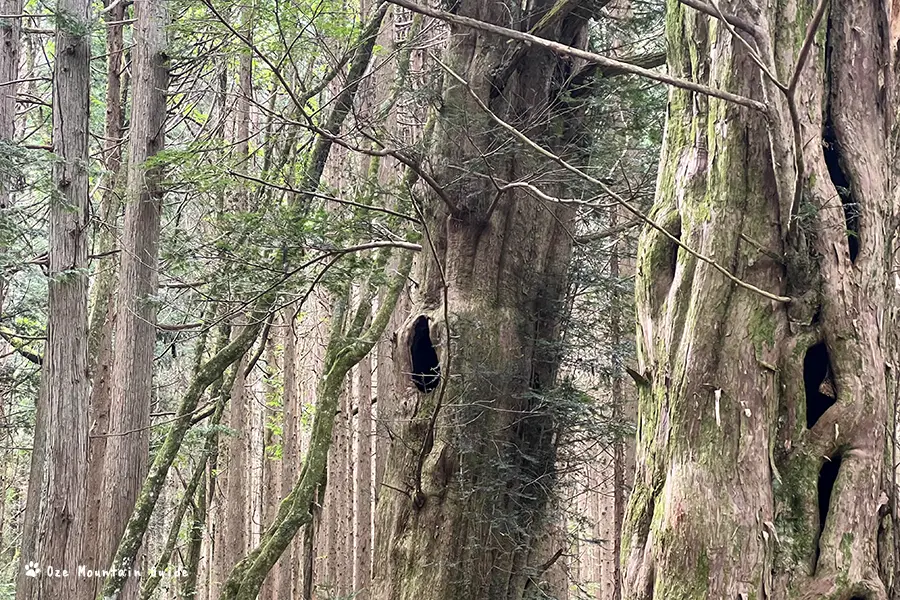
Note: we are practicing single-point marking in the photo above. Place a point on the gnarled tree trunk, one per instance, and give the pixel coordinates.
(761, 433)
(470, 469)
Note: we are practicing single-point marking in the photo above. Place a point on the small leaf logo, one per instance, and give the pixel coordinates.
(31, 569)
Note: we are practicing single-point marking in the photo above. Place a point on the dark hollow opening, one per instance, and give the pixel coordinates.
(832, 151)
(827, 477)
(818, 383)
(426, 370)
(817, 317)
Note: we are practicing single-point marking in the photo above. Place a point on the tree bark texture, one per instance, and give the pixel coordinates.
(288, 565)
(362, 567)
(762, 469)
(127, 450)
(61, 432)
(103, 305)
(10, 43)
(470, 470)
(10, 34)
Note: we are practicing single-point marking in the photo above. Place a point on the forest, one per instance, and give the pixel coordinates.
(449, 300)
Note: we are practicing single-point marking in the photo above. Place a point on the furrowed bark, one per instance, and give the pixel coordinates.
(128, 448)
(61, 433)
(471, 467)
(103, 305)
(761, 441)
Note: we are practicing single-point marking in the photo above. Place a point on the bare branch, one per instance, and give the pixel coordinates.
(754, 55)
(290, 190)
(705, 8)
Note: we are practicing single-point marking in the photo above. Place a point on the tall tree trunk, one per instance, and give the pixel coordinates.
(233, 521)
(289, 563)
(613, 565)
(234, 456)
(103, 311)
(10, 38)
(10, 44)
(271, 464)
(127, 451)
(470, 471)
(362, 569)
(61, 433)
(761, 428)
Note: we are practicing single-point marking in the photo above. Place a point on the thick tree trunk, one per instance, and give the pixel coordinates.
(761, 427)
(61, 433)
(127, 449)
(470, 471)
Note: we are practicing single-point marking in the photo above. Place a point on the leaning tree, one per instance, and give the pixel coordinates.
(765, 413)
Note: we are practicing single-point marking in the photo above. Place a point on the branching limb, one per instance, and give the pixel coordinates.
(290, 190)
(705, 8)
(165, 456)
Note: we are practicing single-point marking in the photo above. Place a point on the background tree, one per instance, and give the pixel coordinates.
(57, 497)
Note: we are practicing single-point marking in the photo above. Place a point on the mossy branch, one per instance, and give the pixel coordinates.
(212, 441)
(207, 374)
(343, 353)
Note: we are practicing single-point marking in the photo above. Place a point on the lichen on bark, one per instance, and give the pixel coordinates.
(732, 484)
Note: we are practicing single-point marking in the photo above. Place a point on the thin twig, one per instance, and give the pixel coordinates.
(807, 44)
(288, 189)
(791, 93)
(264, 339)
(754, 55)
